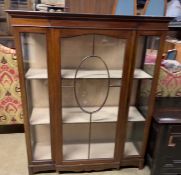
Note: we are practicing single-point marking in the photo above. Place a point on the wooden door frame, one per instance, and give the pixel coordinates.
(122, 118)
(152, 95)
(17, 31)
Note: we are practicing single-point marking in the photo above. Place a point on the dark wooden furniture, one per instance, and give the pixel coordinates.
(87, 92)
(164, 156)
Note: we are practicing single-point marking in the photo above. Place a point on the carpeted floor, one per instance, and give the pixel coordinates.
(13, 160)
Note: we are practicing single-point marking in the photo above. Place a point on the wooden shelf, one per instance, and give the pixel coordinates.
(130, 149)
(75, 151)
(42, 151)
(79, 151)
(70, 74)
(75, 115)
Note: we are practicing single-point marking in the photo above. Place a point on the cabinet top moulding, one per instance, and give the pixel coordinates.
(91, 21)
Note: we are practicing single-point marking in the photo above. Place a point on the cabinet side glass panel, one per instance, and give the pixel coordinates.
(91, 75)
(146, 56)
(149, 58)
(36, 79)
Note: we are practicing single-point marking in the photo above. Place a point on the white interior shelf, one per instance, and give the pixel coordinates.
(76, 151)
(135, 115)
(33, 73)
(130, 149)
(75, 115)
(70, 73)
(40, 116)
(42, 151)
(102, 150)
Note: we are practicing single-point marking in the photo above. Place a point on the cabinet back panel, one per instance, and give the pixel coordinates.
(110, 49)
(34, 50)
(75, 133)
(39, 93)
(41, 134)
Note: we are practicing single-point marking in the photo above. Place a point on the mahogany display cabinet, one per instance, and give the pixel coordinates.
(87, 89)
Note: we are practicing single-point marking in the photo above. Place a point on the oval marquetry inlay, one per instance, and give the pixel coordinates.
(89, 89)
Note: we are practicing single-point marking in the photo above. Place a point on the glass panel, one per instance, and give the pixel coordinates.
(75, 141)
(146, 57)
(91, 80)
(134, 139)
(150, 53)
(35, 67)
(102, 142)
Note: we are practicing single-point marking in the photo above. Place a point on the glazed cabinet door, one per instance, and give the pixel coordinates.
(143, 91)
(35, 92)
(93, 79)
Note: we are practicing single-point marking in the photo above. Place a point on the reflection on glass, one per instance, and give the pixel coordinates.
(75, 141)
(91, 79)
(35, 67)
(146, 56)
(41, 142)
(102, 142)
(148, 65)
(134, 139)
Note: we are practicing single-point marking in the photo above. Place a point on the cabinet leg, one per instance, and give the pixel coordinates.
(30, 171)
(141, 165)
